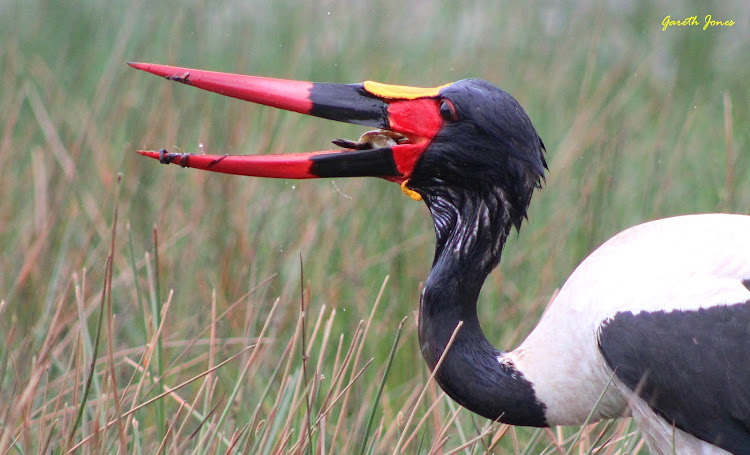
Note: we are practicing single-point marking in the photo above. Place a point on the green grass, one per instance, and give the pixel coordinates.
(637, 123)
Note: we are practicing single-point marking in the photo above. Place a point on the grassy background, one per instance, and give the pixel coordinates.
(639, 123)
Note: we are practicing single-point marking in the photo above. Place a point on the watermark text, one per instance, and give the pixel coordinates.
(692, 21)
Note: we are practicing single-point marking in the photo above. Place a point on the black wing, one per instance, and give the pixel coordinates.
(691, 367)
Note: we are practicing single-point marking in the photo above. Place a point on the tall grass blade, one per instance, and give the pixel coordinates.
(161, 417)
(572, 445)
(379, 393)
(94, 353)
(397, 449)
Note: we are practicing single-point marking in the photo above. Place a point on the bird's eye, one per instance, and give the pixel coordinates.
(448, 111)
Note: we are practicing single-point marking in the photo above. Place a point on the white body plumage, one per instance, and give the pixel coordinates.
(682, 263)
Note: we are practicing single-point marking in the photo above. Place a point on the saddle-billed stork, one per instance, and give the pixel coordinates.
(654, 323)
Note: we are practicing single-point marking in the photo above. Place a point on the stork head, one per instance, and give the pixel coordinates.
(467, 136)
(486, 145)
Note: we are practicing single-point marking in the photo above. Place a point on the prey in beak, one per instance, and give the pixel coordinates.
(406, 118)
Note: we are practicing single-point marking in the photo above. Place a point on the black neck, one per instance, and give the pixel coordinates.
(471, 230)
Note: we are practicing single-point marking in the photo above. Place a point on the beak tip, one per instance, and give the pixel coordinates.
(148, 153)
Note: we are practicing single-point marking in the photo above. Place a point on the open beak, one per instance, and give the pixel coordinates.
(407, 119)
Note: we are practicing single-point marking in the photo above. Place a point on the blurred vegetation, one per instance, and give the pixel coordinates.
(639, 123)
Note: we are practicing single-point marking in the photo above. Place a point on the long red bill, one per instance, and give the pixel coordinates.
(410, 115)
